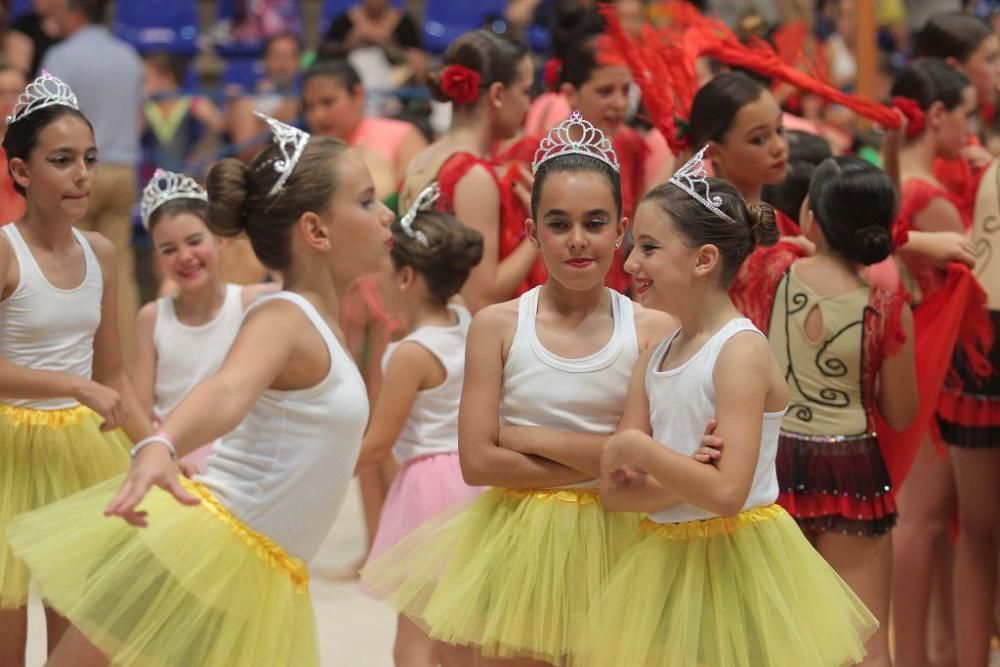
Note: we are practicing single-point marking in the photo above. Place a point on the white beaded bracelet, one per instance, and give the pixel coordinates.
(154, 439)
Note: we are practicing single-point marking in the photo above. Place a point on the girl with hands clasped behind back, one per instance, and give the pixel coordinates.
(545, 382)
(64, 393)
(182, 338)
(416, 413)
(718, 573)
(293, 408)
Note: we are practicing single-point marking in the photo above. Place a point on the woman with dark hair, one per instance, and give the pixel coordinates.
(847, 351)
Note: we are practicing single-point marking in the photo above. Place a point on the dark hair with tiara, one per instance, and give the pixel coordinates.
(492, 57)
(22, 136)
(239, 199)
(575, 163)
(716, 104)
(174, 207)
(452, 250)
(952, 35)
(931, 80)
(746, 228)
(854, 203)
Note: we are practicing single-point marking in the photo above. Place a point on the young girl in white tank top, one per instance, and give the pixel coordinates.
(63, 389)
(224, 581)
(182, 338)
(416, 412)
(721, 575)
(546, 377)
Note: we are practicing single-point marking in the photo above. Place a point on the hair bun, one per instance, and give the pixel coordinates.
(872, 244)
(465, 247)
(763, 224)
(228, 190)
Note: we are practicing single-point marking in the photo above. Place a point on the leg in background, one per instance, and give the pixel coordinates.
(13, 636)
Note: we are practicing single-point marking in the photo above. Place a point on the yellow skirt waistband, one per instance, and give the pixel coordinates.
(266, 549)
(58, 418)
(722, 525)
(579, 496)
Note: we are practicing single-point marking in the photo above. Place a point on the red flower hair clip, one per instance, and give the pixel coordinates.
(553, 72)
(915, 118)
(460, 84)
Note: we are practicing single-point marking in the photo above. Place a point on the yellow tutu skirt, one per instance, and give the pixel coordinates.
(45, 456)
(743, 591)
(511, 572)
(197, 587)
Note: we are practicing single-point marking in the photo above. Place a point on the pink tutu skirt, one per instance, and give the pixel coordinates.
(423, 487)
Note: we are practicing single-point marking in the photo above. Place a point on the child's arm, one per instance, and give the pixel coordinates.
(484, 462)
(275, 339)
(409, 370)
(108, 368)
(582, 451)
(939, 248)
(898, 399)
(627, 487)
(144, 366)
(745, 377)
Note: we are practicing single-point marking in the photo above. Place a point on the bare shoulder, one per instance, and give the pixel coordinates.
(498, 317)
(9, 272)
(652, 326)
(148, 313)
(746, 362)
(250, 293)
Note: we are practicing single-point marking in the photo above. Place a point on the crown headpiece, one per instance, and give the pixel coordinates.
(166, 186)
(693, 176)
(575, 136)
(291, 142)
(45, 91)
(424, 202)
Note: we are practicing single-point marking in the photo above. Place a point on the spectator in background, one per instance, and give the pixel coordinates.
(376, 24)
(174, 122)
(30, 36)
(12, 82)
(106, 75)
(333, 104)
(275, 94)
(260, 20)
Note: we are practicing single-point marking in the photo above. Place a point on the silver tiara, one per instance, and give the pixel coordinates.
(166, 186)
(575, 136)
(45, 91)
(291, 142)
(692, 175)
(424, 202)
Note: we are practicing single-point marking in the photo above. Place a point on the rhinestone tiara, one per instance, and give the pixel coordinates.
(424, 202)
(694, 175)
(575, 136)
(45, 91)
(165, 186)
(291, 142)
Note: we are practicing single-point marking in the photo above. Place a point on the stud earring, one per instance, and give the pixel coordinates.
(618, 244)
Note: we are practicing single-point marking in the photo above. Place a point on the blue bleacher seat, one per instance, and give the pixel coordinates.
(334, 8)
(19, 8)
(244, 72)
(444, 20)
(158, 25)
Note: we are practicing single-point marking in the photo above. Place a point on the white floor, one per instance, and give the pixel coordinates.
(354, 629)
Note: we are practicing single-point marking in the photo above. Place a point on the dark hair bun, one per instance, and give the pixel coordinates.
(872, 244)
(763, 224)
(465, 248)
(228, 190)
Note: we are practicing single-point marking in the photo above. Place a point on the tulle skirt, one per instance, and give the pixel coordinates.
(512, 572)
(743, 591)
(422, 488)
(197, 587)
(46, 455)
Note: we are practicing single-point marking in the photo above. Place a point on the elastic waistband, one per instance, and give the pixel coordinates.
(266, 549)
(578, 496)
(721, 525)
(54, 418)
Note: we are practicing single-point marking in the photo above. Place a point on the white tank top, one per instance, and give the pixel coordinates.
(285, 469)
(681, 403)
(585, 395)
(185, 354)
(432, 427)
(46, 328)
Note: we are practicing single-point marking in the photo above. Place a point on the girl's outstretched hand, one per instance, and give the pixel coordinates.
(153, 466)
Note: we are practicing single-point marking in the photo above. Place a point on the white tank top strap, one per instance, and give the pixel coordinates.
(88, 253)
(332, 343)
(26, 266)
(626, 309)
